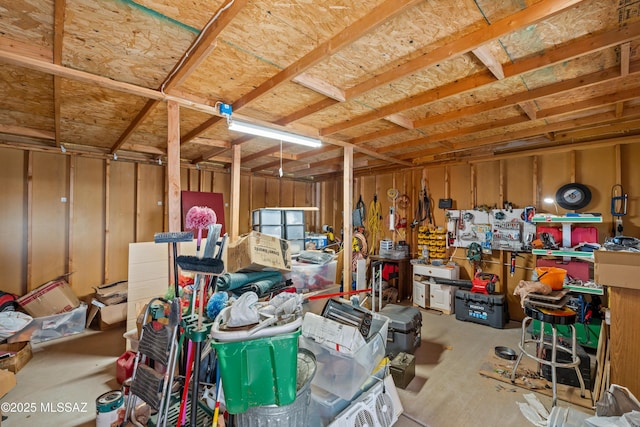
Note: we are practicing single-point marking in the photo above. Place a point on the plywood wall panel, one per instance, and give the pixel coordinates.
(245, 205)
(436, 189)
(631, 185)
(597, 169)
(87, 246)
(150, 201)
(460, 186)
(487, 183)
(286, 193)
(554, 170)
(222, 185)
(518, 185)
(50, 225)
(272, 193)
(13, 227)
(121, 227)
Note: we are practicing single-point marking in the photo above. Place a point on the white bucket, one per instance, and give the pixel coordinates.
(109, 406)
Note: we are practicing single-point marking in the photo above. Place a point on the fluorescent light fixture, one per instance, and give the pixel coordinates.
(277, 134)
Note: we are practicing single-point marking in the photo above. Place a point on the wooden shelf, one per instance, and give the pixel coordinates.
(563, 253)
(566, 219)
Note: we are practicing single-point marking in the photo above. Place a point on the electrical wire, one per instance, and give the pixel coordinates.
(373, 222)
(194, 45)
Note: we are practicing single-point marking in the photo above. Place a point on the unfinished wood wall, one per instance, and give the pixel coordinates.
(523, 181)
(77, 214)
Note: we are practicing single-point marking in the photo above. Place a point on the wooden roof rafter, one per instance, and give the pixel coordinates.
(195, 54)
(383, 12)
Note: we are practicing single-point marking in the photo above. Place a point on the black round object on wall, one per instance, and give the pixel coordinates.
(573, 196)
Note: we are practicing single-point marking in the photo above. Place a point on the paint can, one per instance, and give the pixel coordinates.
(109, 407)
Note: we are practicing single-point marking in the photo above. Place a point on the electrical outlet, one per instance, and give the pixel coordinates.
(159, 202)
(63, 199)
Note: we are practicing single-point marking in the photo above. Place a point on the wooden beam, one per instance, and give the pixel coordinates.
(321, 86)
(347, 209)
(220, 143)
(58, 33)
(560, 54)
(625, 55)
(540, 129)
(381, 13)
(28, 50)
(204, 44)
(600, 77)
(586, 104)
(142, 114)
(107, 218)
(236, 155)
(30, 284)
(442, 137)
(28, 132)
(173, 165)
(261, 154)
(400, 120)
(463, 44)
(486, 57)
(529, 108)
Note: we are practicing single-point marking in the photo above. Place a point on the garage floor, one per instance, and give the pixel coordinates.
(447, 390)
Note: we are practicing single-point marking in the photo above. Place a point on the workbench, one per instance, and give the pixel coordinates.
(404, 276)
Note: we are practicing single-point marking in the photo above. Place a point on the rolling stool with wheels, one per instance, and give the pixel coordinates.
(563, 316)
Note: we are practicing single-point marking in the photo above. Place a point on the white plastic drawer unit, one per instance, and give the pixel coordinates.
(442, 272)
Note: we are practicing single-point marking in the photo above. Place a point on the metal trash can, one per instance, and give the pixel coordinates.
(292, 415)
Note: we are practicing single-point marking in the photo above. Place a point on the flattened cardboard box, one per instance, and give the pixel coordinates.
(258, 251)
(617, 268)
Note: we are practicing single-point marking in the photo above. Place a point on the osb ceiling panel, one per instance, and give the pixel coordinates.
(26, 92)
(401, 79)
(27, 21)
(123, 41)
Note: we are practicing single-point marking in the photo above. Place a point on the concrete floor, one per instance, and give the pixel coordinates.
(447, 390)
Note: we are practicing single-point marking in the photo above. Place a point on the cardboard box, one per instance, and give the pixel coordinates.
(106, 316)
(53, 297)
(15, 355)
(7, 382)
(112, 293)
(257, 251)
(617, 269)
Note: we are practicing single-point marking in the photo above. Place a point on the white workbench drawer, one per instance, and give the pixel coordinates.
(442, 272)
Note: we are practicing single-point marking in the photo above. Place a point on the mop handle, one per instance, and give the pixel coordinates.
(338, 294)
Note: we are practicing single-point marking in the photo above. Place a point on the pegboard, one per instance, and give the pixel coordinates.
(499, 229)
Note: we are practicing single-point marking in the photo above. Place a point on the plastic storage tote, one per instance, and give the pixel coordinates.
(258, 372)
(293, 415)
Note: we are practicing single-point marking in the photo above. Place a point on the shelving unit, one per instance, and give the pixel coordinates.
(434, 295)
(587, 333)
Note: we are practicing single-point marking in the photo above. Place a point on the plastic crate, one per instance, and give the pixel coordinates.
(267, 217)
(346, 375)
(270, 230)
(293, 217)
(258, 372)
(313, 277)
(293, 232)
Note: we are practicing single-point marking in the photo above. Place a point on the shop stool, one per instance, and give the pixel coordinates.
(563, 316)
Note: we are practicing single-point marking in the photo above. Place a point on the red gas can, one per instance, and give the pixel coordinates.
(124, 366)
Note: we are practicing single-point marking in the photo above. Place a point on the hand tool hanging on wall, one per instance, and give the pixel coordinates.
(423, 209)
(359, 213)
(618, 208)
